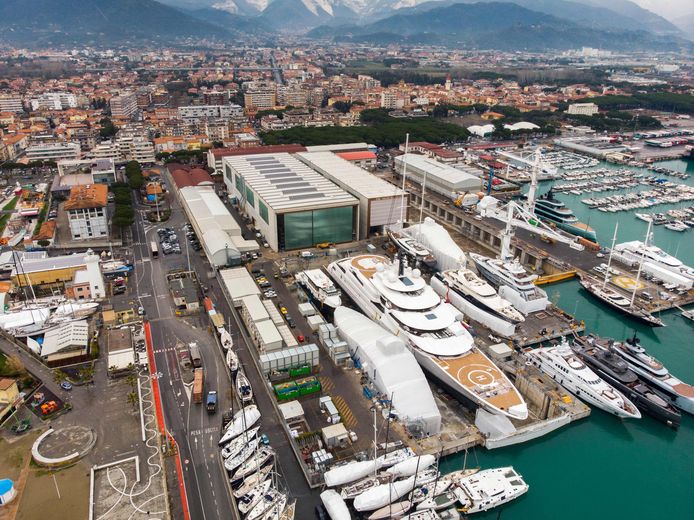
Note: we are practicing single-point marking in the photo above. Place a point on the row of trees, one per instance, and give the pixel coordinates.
(124, 214)
(380, 129)
(667, 101)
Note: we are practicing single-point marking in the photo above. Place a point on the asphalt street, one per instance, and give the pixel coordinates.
(195, 431)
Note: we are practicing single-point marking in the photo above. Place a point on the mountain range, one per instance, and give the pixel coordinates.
(498, 25)
(521, 24)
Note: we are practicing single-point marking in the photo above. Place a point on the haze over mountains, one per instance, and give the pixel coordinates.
(515, 24)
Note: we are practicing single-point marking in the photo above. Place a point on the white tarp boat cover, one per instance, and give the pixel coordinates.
(411, 466)
(438, 241)
(243, 419)
(383, 495)
(350, 472)
(334, 505)
(393, 369)
(24, 318)
(493, 426)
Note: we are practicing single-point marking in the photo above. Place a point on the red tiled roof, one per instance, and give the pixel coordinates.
(254, 150)
(190, 177)
(446, 154)
(357, 156)
(425, 145)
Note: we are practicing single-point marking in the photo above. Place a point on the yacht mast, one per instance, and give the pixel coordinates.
(609, 258)
(507, 235)
(403, 209)
(638, 273)
(421, 207)
(532, 192)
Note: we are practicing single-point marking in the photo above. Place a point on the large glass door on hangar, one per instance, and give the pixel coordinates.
(308, 228)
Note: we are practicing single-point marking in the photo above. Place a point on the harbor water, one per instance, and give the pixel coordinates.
(604, 467)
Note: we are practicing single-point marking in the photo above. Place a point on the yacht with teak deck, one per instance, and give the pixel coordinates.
(403, 302)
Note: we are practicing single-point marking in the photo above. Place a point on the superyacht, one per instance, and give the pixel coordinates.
(478, 292)
(511, 278)
(653, 371)
(563, 365)
(618, 301)
(637, 251)
(320, 287)
(400, 299)
(548, 208)
(601, 357)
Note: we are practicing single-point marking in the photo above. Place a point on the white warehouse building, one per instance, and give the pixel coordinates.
(440, 178)
(380, 203)
(219, 234)
(291, 204)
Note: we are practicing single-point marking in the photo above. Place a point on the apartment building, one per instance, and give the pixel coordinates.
(126, 148)
(86, 210)
(583, 109)
(124, 105)
(260, 98)
(54, 101)
(11, 104)
(391, 100)
(52, 151)
(195, 113)
(292, 96)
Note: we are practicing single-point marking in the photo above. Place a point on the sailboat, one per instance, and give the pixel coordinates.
(243, 387)
(615, 299)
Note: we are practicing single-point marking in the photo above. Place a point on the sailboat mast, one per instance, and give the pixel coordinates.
(638, 272)
(609, 258)
(373, 409)
(403, 209)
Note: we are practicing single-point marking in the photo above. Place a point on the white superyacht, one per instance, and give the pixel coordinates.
(400, 299)
(478, 292)
(513, 281)
(563, 365)
(320, 287)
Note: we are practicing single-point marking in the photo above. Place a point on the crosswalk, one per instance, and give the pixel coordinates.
(160, 350)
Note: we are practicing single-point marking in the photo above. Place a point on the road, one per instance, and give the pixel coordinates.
(195, 431)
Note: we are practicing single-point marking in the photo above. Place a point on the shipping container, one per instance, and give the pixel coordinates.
(308, 385)
(300, 371)
(198, 385)
(286, 391)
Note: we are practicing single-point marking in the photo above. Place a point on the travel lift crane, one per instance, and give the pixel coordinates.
(524, 217)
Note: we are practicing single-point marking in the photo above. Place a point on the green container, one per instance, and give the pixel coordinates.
(300, 371)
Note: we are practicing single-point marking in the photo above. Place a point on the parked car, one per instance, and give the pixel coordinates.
(65, 385)
(141, 311)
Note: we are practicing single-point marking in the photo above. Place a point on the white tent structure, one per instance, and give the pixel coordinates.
(438, 241)
(392, 367)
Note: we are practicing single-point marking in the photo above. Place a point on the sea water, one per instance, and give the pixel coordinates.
(602, 466)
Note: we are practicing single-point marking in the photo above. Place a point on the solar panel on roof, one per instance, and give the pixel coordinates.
(300, 190)
(289, 184)
(306, 196)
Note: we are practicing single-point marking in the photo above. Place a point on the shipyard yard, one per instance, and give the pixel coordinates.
(312, 368)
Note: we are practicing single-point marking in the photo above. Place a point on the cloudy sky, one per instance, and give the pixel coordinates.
(670, 9)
